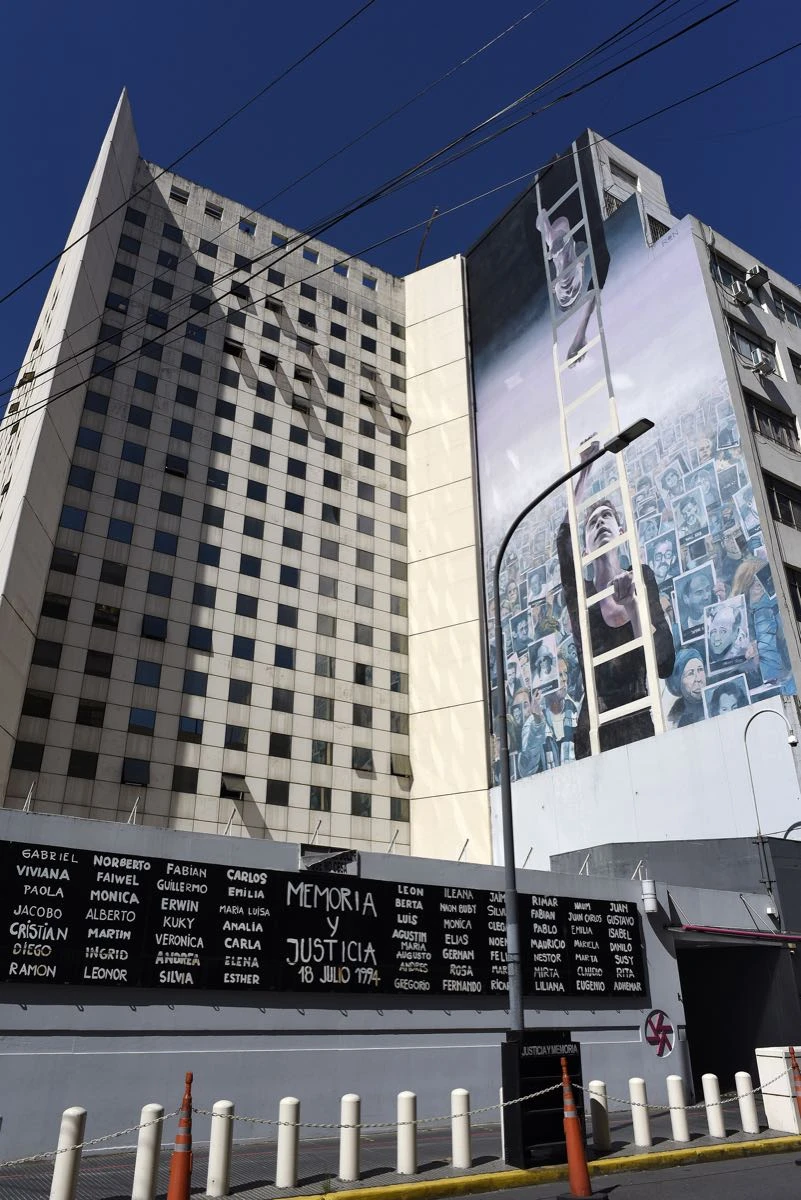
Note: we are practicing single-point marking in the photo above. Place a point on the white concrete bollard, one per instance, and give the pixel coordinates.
(714, 1112)
(677, 1102)
(221, 1141)
(501, 1113)
(461, 1153)
(148, 1146)
(407, 1133)
(749, 1118)
(350, 1116)
(640, 1117)
(599, 1112)
(286, 1160)
(68, 1162)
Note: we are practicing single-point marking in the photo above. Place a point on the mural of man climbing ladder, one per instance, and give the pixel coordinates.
(638, 598)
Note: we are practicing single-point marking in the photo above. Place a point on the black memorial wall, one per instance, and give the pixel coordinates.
(87, 917)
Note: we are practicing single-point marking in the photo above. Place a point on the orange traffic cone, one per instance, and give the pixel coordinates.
(181, 1162)
(796, 1080)
(577, 1173)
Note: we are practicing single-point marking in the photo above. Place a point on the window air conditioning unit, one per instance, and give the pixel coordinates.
(756, 276)
(763, 363)
(740, 293)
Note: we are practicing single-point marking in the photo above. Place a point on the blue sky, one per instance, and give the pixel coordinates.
(730, 158)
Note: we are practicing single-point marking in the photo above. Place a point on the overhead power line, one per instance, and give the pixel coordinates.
(426, 166)
(10, 422)
(474, 54)
(196, 145)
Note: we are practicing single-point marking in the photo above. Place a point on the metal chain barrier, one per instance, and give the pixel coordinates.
(728, 1098)
(205, 1112)
(106, 1137)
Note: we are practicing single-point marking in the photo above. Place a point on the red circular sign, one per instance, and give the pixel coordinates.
(659, 1032)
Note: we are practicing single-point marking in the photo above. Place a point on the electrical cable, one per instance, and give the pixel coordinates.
(17, 419)
(415, 172)
(30, 363)
(196, 145)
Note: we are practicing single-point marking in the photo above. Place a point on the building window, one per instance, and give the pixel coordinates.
(398, 722)
(323, 708)
(247, 606)
(142, 720)
(322, 752)
(363, 674)
(82, 764)
(97, 664)
(112, 572)
(250, 565)
(361, 804)
(727, 273)
(92, 713)
(236, 737)
(148, 674)
(175, 465)
(289, 576)
(81, 478)
(326, 626)
(106, 616)
(195, 683)
(283, 700)
(398, 681)
(332, 480)
(361, 758)
(771, 423)
(154, 628)
(159, 584)
(56, 605)
(785, 501)
(794, 584)
(364, 596)
(239, 691)
(787, 309)
(184, 779)
(749, 345)
(278, 792)
(200, 638)
(135, 772)
(37, 703)
(253, 527)
(27, 756)
(319, 798)
(243, 647)
(327, 586)
(325, 665)
(362, 634)
(190, 729)
(399, 808)
(280, 745)
(362, 716)
(284, 657)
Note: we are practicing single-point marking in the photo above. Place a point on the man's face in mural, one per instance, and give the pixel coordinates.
(693, 680)
(704, 450)
(698, 594)
(690, 514)
(601, 526)
(664, 560)
(722, 631)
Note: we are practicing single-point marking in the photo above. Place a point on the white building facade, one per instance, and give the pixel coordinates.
(245, 542)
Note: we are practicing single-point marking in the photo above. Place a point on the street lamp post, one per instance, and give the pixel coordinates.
(513, 956)
(792, 740)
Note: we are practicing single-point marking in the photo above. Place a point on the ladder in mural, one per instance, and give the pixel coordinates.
(582, 401)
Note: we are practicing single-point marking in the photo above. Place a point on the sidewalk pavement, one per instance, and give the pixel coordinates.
(107, 1174)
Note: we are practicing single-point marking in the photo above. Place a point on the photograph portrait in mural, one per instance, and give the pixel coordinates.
(643, 585)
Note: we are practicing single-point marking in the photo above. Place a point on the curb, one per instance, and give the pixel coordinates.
(496, 1181)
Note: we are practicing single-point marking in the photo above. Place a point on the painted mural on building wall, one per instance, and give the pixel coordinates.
(652, 573)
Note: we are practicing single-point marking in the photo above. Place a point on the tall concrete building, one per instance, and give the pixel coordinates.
(203, 548)
(245, 568)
